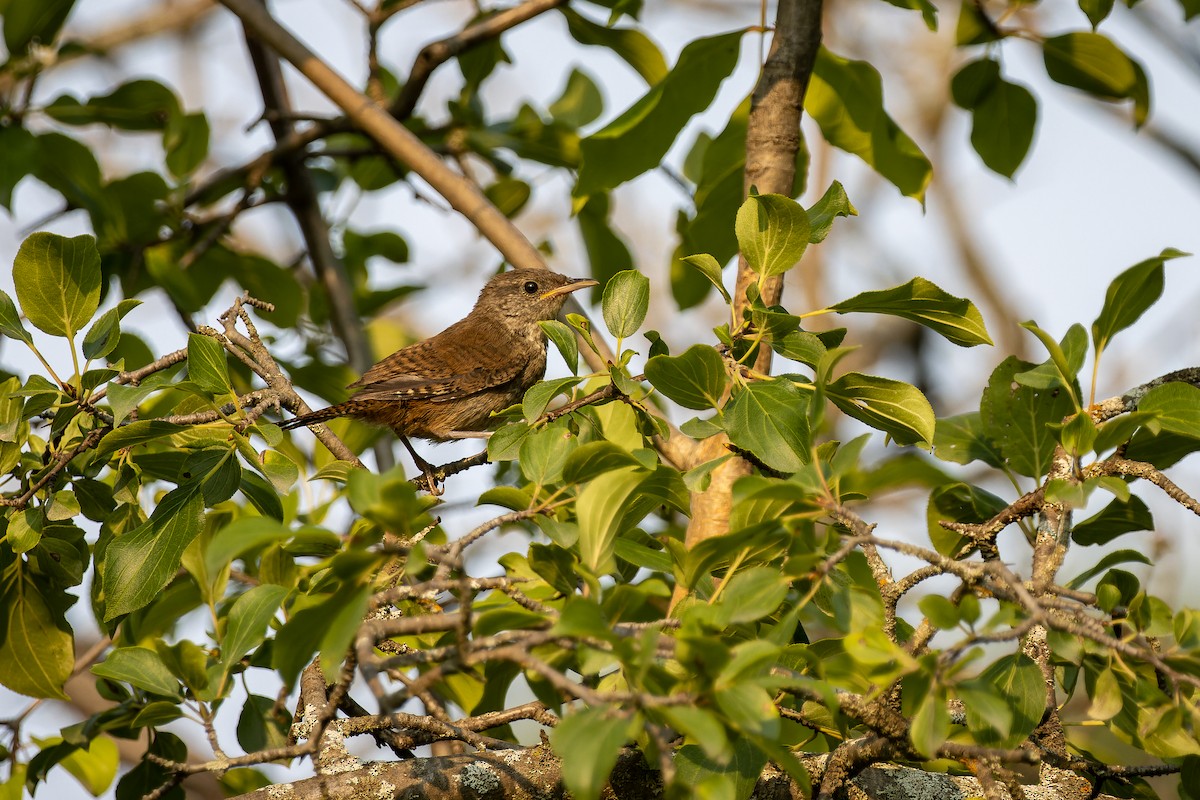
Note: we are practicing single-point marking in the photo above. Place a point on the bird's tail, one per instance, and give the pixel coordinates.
(313, 417)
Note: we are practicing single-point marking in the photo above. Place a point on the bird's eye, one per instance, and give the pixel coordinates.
(530, 287)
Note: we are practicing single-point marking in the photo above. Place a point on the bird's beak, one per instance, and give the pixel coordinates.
(576, 283)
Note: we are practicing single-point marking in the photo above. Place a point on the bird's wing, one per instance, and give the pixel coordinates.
(439, 389)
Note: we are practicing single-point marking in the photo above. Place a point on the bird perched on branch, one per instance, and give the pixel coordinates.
(449, 385)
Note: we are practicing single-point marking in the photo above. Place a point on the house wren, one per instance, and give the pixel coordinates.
(449, 385)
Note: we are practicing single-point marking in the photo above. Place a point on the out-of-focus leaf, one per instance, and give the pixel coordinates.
(846, 99)
(637, 140)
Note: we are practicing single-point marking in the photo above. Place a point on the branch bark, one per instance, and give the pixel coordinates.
(772, 140)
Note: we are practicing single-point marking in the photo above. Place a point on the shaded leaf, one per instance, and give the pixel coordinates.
(1116, 518)
(37, 654)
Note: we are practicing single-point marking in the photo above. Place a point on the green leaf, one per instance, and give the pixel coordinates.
(540, 394)
(1091, 62)
(846, 99)
(248, 619)
(930, 725)
(607, 252)
(37, 654)
(662, 487)
(20, 157)
(94, 766)
(992, 709)
(752, 594)
(710, 776)
(141, 668)
(928, 10)
(28, 23)
(638, 140)
(1113, 520)
(10, 320)
(320, 627)
(185, 139)
(833, 204)
(555, 565)
(961, 439)
(1017, 679)
(102, 338)
(134, 433)
(58, 282)
(589, 741)
(122, 400)
(70, 168)
(749, 708)
(1129, 295)
(772, 233)
(509, 195)
(695, 379)
(974, 27)
(340, 631)
(1004, 115)
(139, 105)
(710, 269)
(206, 363)
(770, 420)
(138, 564)
(1066, 360)
(241, 536)
(544, 452)
(626, 301)
(581, 101)
(595, 458)
(1106, 696)
(630, 44)
(894, 407)
(1176, 407)
(940, 611)
(958, 502)
(1017, 417)
(1097, 10)
(564, 340)
(719, 193)
(923, 302)
(601, 507)
(505, 443)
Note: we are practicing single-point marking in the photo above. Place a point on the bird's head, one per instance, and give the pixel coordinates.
(523, 297)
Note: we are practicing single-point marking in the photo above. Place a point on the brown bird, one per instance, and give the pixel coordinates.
(449, 385)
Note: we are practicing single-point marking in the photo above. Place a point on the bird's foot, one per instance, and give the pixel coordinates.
(428, 471)
(429, 476)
